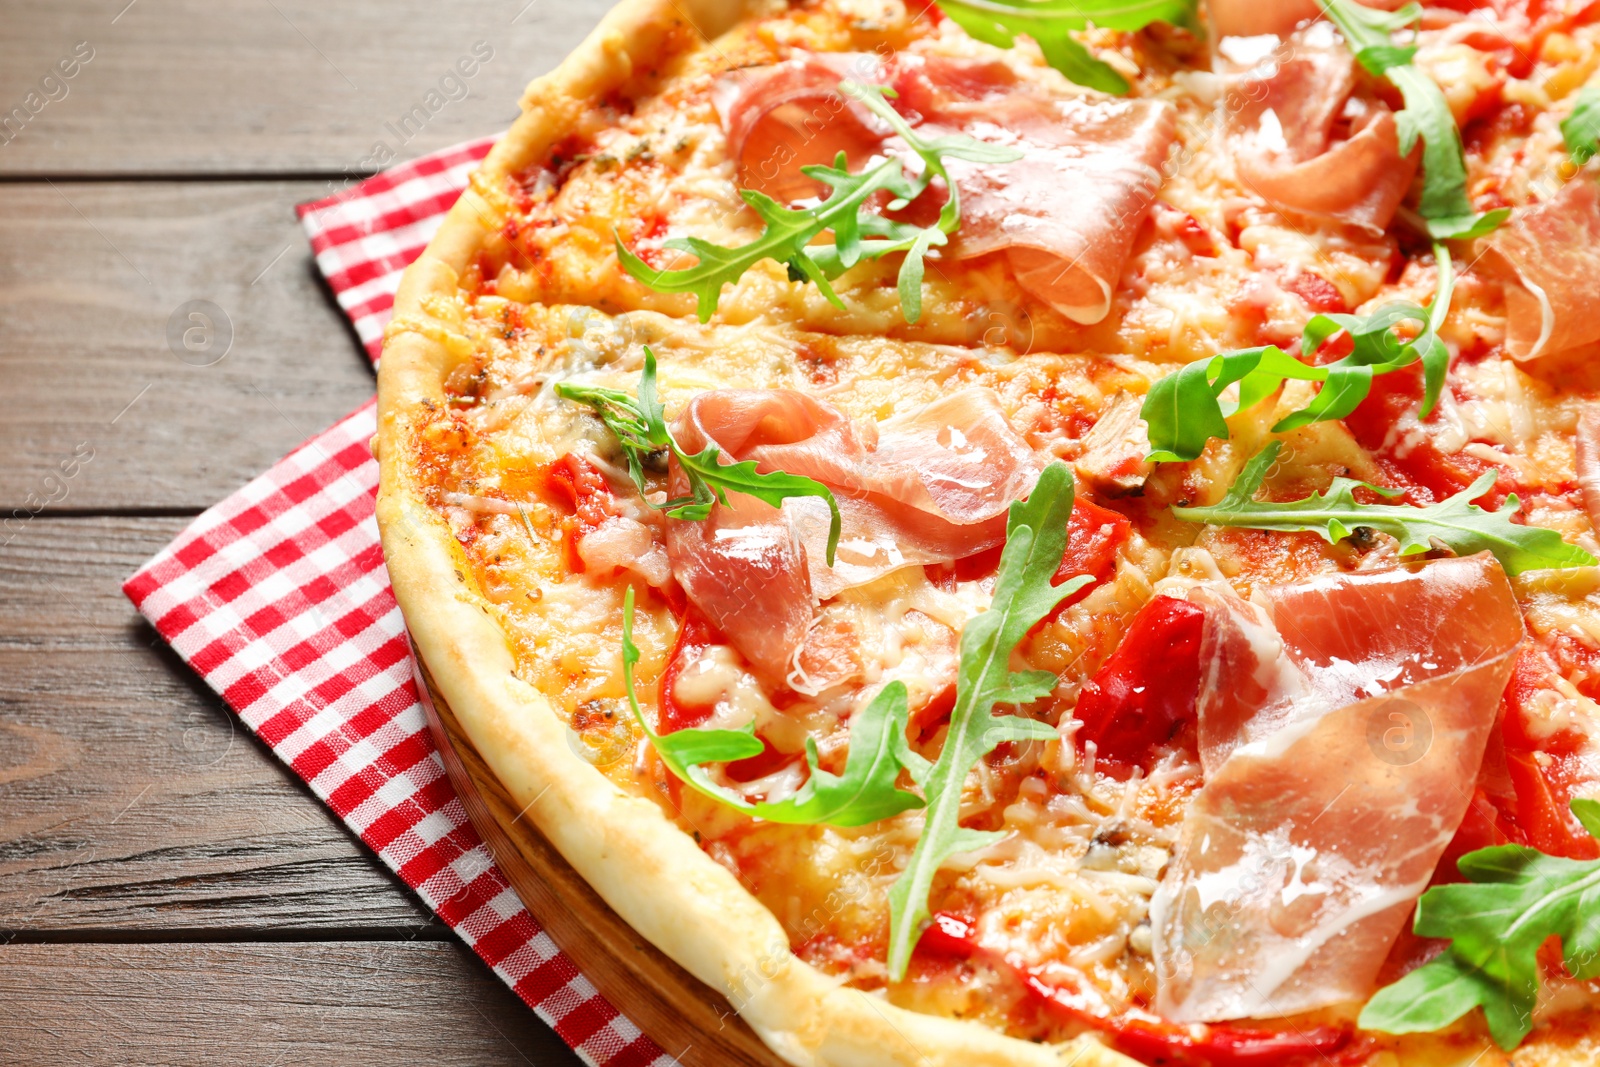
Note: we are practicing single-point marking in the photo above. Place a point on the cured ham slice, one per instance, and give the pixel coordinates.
(1341, 722)
(791, 115)
(927, 487)
(1284, 118)
(1065, 214)
(1549, 258)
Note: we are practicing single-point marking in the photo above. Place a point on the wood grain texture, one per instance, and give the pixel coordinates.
(340, 1004)
(131, 799)
(162, 876)
(671, 1005)
(88, 280)
(288, 86)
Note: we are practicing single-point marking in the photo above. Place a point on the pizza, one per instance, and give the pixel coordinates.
(1040, 532)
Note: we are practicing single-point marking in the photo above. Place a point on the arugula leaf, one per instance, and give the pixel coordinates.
(640, 427)
(998, 22)
(859, 232)
(1036, 541)
(1444, 204)
(1185, 409)
(1461, 526)
(1051, 22)
(1515, 899)
(864, 793)
(1581, 128)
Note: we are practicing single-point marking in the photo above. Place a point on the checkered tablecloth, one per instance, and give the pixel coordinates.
(278, 597)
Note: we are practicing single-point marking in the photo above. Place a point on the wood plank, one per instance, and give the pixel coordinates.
(130, 797)
(91, 276)
(291, 86)
(345, 1004)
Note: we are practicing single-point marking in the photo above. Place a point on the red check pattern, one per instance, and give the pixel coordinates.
(278, 597)
(367, 235)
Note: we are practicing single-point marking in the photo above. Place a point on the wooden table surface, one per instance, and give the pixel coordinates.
(169, 893)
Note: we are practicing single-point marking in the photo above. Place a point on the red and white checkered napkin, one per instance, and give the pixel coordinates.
(278, 597)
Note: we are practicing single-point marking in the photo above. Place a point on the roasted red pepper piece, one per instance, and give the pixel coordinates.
(1139, 1033)
(1146, 691)
(695, 636)
(1542, 770)
(580, 485)
(1094, 534)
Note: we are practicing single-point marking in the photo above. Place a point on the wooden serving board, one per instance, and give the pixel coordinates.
(679, 1012)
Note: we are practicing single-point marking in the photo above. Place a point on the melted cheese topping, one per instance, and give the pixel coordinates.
(1067, 891)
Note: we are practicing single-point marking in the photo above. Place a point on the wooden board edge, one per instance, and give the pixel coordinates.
(685, 1017)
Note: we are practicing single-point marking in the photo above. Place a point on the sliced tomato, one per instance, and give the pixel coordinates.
(1146, 691)
(926, 9)
(1318, 292)
(770, 761)
(1139, 1033)
(926, 717)
(695, 635)
(1542, 816)
(1196, 238)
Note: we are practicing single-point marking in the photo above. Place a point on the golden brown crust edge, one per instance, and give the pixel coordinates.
(651, 873)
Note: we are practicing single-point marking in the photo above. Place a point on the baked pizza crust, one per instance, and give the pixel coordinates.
(643, 866)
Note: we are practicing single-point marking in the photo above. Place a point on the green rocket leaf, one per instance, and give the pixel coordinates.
(1036, 541)
(1444, 203)
(1515, 899)
(860, 232)
(864, 793)
(1581, 128)
(1051, 24)
(1461, 526)
(1185, 409)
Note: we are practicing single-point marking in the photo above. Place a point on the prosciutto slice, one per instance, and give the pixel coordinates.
(791, 115)
(1340, 721)
(930, 486)
(1065, 214)
(1548, 256)
(1284, 118)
